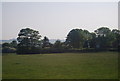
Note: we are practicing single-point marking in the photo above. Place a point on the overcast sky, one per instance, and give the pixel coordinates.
(56, 19)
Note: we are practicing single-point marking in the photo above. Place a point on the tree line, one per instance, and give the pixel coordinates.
(29, 42)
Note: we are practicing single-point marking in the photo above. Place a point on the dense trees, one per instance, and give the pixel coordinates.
(9, 47)
(29, 41)
(104, 37)
(116, 40)
(57, 44)
(77, 38)
(45, 43)
(101, 38)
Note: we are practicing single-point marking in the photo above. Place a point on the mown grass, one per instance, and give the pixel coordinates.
(0, 66)
(102, 65)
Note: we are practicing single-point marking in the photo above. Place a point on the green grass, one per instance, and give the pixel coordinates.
(102, 65)
(0, 66)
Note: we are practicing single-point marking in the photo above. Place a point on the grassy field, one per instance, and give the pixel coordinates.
(102, 65)
(0, 66)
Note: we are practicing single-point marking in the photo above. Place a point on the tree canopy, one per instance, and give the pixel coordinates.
(101, 38)
(77, 37)
(28, 39)
(45, 42)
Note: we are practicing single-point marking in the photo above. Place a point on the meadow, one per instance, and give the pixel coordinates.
(0, 66)
(101, 65)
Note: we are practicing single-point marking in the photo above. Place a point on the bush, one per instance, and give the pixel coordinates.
(8, 50)
(27, 50)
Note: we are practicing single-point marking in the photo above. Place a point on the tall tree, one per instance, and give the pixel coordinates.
(92, 41)
(45, 42)
(6, 45)
(104, 37)
(102, 32)
(76, 38)
(28, 39)
(116, 42)
(88, 37)
(14, 43)
(57, 44)
(9, 47)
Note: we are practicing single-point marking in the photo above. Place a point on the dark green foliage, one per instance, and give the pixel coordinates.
(77, 40)
(57, 44)
(8, 50)
(28, 41)
(78, 37)
(9, 47)
(92, 41)
(14, 44)
(107, 38)
(102, 38)
(103, 35)
(103, 31)
(6, 45)
(116, 42)
(46, 43)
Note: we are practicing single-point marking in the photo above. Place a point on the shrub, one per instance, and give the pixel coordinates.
(8, 50)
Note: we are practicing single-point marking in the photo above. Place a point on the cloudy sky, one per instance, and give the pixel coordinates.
(56, 19)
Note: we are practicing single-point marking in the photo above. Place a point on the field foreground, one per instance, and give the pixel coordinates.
(102, 65)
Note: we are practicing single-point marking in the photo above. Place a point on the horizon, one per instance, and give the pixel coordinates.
(52, 41)
(46, 36)
(56, 19)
